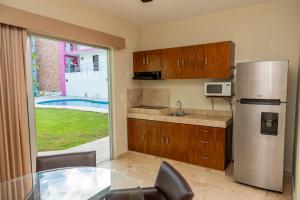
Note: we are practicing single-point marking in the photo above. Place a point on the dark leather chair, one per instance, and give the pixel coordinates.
(172, 184)
(125, 194)
(82, 159)
(169, 185)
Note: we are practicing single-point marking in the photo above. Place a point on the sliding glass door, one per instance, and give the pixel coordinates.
(70, 98)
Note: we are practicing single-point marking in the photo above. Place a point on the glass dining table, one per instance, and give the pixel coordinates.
(77, 183)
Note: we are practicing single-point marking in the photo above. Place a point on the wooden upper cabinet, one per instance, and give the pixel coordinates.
(171, 63)
(178, 63)
(188, 62)
(200, 67)
(147, 61)
(219, 60)
(213, 61)
(153, 60)
(139, 61)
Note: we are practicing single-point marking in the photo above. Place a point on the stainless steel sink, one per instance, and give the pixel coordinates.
(178, 114)
(151, 107)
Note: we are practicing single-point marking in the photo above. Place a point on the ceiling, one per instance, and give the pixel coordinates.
(157, 11)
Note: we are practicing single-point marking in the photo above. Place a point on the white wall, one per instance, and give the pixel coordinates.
(86, 59)
(261, 32)
(88, 82)
(121, 66)
(296, 170)
(189, 92)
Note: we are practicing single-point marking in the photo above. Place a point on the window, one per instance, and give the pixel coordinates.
(70, 47)
(71, 64)
(96, 62)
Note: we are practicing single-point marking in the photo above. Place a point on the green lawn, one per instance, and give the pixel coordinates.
(59, 129)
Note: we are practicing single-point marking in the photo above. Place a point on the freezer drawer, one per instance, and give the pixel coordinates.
(262, 80)
(259, 145)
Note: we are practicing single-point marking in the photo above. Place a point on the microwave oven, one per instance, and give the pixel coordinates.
(218, 89)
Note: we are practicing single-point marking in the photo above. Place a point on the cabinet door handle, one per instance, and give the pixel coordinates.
(204, 141)
(143, 61)
(204, 131)
(178, 62)
(167, 140)
(162, 140)
(143, 136)
(204, 157)
(182, 62)
(147, 60)
(205, 60)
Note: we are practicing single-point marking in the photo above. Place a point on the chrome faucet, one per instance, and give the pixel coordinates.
(180, 112)
(179, 103)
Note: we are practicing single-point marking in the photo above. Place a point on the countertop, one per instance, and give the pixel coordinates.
(219, 119)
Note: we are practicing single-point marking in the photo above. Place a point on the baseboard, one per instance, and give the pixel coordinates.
(121, 155)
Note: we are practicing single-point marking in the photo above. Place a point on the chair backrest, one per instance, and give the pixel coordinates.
(171, 183)
(125, 194)
(82, 159)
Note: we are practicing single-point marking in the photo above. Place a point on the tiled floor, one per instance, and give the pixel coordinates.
(207, 184)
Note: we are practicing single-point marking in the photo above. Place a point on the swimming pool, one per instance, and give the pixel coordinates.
(76, 102)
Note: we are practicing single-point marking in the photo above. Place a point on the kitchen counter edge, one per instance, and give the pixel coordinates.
(222, 122)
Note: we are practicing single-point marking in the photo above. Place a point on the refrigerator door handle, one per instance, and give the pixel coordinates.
(261, 101)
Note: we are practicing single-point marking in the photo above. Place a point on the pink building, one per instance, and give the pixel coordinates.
(71, 70)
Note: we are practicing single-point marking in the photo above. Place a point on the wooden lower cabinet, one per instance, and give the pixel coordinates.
(153, 140)
(201, 145)
(136, 135)
(174, 141)
(210, 147)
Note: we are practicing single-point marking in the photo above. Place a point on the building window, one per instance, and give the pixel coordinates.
(70, 47)
(96, 62)
(71, 64)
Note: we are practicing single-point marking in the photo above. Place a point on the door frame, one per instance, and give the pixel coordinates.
(31, 103)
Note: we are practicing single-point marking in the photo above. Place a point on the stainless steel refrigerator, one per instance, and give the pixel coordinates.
(259, 123)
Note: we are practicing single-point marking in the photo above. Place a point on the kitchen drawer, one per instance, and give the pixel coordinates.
(205, 158)
(205, 137)
(211, 159)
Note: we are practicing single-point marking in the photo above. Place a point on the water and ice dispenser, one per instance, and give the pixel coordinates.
(269, 123)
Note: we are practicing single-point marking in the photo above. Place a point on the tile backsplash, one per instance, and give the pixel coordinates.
(134, 97)
(148, 97)
(156, 97)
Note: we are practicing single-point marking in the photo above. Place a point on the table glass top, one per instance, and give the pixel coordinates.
(67, 183)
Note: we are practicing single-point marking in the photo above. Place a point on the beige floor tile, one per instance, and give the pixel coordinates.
(207, 184)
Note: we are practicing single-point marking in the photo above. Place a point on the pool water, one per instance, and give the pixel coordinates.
(76, 102)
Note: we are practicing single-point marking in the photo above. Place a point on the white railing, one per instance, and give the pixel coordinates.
(57, 95)
(84, 67)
